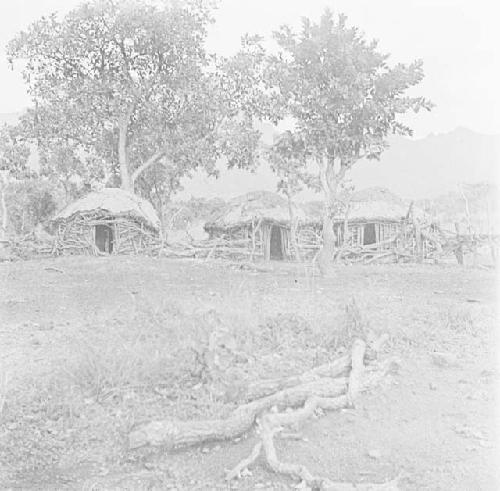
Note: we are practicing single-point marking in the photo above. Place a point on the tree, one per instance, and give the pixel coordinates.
(288, 159)
(14, 155)
(344, 100)
(31, 202)
(127, 88)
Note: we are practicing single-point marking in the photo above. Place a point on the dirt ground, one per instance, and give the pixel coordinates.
(90, 347)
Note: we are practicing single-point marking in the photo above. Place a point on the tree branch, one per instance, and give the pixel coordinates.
(323, 165)
(146, 165)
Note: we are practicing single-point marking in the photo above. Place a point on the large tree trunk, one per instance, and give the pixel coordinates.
(293, 225)
(3, 230)
(125, 181)
(165, 220)
(326, 254)
(329, 183)
(127, 177)
(3, 204)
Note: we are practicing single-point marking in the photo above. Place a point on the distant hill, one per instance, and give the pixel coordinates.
(433, 165)
(474, 205)
(412, 168)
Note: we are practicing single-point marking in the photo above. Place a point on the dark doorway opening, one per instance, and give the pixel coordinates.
(276, 249)
(104, 238)
(369, 235)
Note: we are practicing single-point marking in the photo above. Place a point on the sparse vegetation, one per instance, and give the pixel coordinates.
(459, 320)
(4, 385)
(115, 359)
(181, 339)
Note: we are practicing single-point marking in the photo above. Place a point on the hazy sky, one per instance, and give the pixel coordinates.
(457, 39)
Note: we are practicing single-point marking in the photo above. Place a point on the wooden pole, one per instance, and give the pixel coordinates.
(459, 251)
(253, 240)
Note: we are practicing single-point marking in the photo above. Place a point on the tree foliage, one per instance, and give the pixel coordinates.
(288, 159)
(14, 153)
(342, 96)
(31, 202)
(126, 89)
(340, 91)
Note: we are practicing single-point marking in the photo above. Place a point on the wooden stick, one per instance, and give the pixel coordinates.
(336, 368)
(176, 434)
(245, 463)
(357, 370)
(273, 423)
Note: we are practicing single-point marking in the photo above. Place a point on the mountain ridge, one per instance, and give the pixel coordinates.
(420, 168)
(414, 168)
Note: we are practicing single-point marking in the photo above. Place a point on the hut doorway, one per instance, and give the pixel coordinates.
(369, 235)
(104, 238)
(276, 244)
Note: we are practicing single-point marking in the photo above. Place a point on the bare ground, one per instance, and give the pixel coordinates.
(89, 347)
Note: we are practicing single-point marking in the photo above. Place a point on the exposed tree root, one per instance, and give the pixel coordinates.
(357, 370)
(263, 388)
(272, 423)
(173, 434)
(245, 463)
(340, 366)
(176, 434)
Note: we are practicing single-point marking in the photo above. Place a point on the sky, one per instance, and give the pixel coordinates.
(457, 39)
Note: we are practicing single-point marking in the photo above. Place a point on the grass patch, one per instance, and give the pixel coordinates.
(459, 320)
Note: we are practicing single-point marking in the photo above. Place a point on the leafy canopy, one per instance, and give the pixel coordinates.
(14, 152)
(128, 86)
(341, 93)
(288, 159)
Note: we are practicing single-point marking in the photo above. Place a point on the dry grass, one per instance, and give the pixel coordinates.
(4, 386)
(151, 349)
(459, 320)
(192, 331)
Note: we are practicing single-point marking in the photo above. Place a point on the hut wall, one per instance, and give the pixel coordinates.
(132, 238)
(286, 241)
(251, 240)
(254, 240)
(266, 241)
(244, 241)
(354, 234)
(77, 236)
(309, 239)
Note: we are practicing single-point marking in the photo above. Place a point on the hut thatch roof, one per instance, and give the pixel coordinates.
(376, 204)
(371, 204)
(113, 202)
(254, 206)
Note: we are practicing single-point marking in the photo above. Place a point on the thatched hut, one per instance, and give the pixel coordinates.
(375, 225)
(111, 221)
(373, 217)
(256, 224)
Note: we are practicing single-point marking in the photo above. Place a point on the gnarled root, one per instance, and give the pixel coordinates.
(336, 368)
(271, 424)
(245, 463)
(173, 434)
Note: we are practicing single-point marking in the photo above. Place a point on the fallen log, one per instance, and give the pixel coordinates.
(173, 434)
(272, 423)
(245, 463)
(263, 388)
(336, 368)
(357, 370)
